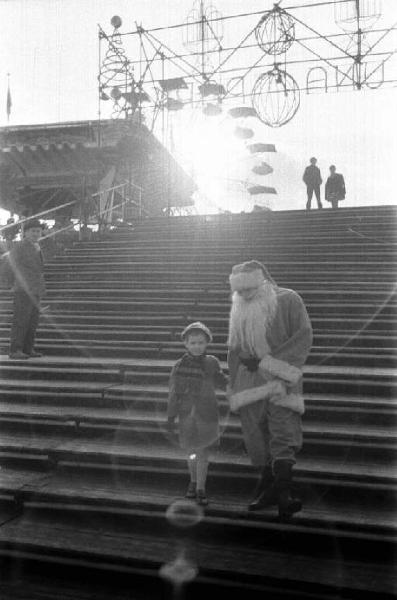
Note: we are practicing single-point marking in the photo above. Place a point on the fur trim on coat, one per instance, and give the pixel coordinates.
(281, 369)
(274, 391)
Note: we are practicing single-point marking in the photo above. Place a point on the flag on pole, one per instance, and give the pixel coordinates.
(9, 101)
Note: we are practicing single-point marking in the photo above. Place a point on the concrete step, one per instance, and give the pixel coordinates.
(332, 300)
(218, 267)
(174, 324)
(227, 258)
(171, 289)
(332, 439)
(127, 451)
(78, 346)
(219, 282)
(318, 378)
(67, 487)
(167, 343)
(132, 552)
(332, 408)
(155, 308)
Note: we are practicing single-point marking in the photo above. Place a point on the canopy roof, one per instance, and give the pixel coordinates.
(42, 166)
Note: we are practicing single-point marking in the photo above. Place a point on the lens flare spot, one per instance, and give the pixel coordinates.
(183, 513)
(179, 571)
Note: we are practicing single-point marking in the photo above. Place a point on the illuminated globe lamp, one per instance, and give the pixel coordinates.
(116, 22)
(275, 32)
(275, 97)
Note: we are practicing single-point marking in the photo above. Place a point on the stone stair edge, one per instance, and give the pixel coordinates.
(152, 419)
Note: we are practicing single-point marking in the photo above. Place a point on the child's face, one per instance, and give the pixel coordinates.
(196, 343)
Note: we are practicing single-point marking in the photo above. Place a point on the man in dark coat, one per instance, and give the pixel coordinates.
(335, 189)
(26, 261)
(312, 179)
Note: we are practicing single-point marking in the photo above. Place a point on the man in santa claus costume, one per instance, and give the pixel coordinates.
(270, 337)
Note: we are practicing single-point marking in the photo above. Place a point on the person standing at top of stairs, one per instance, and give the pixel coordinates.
(270, 337)
(192, 398)
(26, 261)
(313, 180)
(335, 189)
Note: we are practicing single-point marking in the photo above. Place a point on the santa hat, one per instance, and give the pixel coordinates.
(250, 274)
(197, 327)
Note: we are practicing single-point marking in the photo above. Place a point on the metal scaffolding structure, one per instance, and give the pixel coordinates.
(282, 54)
(210, 73)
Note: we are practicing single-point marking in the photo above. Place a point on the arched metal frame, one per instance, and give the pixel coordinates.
(275, 32)
(275, 97)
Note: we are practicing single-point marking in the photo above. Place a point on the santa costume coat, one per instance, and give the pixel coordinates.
(289, 336)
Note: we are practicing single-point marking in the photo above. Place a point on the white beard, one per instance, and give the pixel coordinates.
(249, 320)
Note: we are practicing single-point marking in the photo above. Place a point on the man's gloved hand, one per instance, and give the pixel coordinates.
(250, 363)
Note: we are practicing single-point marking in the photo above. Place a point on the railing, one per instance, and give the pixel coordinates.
(101, 210)
(108, 203)
(37, 216)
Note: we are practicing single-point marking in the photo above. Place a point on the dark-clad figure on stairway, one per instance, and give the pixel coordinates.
(270, 337)
(313, 180)
(26, 261)
(335, 188)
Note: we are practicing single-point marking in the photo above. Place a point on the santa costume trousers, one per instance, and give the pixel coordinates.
(270, 432)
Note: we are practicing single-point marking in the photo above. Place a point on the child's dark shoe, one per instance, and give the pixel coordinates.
(191, 490)
(202, 499)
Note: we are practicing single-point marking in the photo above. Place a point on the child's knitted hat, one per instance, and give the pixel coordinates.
(197, 326)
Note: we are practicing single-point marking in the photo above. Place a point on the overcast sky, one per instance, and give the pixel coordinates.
(50, 47)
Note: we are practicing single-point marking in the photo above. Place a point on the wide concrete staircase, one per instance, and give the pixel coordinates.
(89, 481)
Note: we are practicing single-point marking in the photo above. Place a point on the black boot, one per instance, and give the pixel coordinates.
(287, 504)
(265, 493)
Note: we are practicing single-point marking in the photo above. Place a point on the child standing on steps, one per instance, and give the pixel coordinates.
(192, 399)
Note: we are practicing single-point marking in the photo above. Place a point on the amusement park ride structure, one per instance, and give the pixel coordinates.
(212, 77)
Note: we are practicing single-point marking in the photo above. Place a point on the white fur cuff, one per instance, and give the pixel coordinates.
(246, 279)
(280, 368)
(254, 394)
(294, 402)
